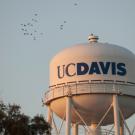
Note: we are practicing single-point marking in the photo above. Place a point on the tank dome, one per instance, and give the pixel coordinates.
(108, 62)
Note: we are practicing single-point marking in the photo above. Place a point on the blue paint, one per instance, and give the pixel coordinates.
(99, 68)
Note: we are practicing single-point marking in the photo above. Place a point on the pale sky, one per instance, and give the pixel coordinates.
(56, 24)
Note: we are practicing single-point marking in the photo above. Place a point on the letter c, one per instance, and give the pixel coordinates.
(67, 70)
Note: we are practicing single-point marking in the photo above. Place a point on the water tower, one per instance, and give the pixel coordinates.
(93, 85)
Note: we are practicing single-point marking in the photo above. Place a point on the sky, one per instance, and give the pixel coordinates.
(25, 50)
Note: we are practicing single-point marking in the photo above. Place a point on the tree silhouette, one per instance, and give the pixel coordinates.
(2, 116)
(13, 122)
(39, 126)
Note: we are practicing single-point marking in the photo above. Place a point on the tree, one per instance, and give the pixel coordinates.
(2, 116)
(40, 126)
(13, 122)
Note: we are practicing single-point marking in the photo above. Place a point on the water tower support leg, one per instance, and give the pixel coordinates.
(116, 115)
(49, 116)
(121, 127)
(75, 129)
(68, 115)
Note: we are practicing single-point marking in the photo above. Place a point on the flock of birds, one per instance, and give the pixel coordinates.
(30, 28)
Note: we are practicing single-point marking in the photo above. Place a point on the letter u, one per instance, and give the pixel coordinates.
(61, 71)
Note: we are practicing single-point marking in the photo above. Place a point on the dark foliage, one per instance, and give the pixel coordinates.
(13, 122)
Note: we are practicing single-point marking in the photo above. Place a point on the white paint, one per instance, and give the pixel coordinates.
(68, 116)
(116, 115)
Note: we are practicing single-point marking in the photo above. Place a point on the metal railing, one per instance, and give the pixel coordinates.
(89, 88)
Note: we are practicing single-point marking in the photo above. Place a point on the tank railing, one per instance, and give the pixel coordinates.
(88, 88)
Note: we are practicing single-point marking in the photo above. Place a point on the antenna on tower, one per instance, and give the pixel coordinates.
(92, 38)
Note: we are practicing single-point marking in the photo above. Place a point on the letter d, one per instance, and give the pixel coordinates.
(82, 68)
